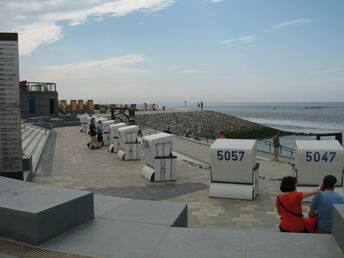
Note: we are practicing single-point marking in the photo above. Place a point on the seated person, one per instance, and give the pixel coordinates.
(323, 202)
(168, 130)
(289, 206)
(221, 135)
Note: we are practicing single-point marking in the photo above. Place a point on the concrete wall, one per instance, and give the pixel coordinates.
(42, 102)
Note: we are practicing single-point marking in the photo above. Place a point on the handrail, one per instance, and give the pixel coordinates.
(46, 125)
(281, 149)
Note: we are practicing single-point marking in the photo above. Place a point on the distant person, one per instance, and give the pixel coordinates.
(199, 131)
(188, 132)
(139, 133)
(221, 135)
(201, 105)
(93, 134)
(198, 105)
(167, 130)
(289, 207)
(99, 130)
(277, 145)
(322, 204)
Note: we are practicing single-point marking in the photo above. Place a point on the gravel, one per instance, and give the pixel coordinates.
(210, 121)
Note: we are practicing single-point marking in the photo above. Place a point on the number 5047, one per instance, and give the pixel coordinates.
(230, 155)
(318, 157)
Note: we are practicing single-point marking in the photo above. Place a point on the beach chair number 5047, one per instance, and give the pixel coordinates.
(230, 155)
(317, 156)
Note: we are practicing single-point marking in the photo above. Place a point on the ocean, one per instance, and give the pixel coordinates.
(317, 117)
(298, 117)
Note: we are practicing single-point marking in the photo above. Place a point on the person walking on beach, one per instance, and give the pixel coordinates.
(277, 145)
(322, 204)
(99, 130)
(199, 131)
(139, 133)
(188, 132)
(201, 105)
(93, 133)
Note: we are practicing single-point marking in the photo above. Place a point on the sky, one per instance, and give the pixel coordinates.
(171, 51)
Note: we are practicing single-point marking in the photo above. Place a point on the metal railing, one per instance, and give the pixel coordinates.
(46, 125)
(282, 149)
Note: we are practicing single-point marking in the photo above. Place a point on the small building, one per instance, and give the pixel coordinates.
(38, 99)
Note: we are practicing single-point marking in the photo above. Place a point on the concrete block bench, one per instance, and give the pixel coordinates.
(34, 213)
(338, 224)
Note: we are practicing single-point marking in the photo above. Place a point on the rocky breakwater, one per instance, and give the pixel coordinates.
(210, 122)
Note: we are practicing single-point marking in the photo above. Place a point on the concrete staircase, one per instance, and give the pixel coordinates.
(34, 138)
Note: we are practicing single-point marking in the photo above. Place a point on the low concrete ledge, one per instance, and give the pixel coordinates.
(141, 211)
(34, 214)
(263, 244)
(106, 238)
(203, 243)
(338, 224)
(8, 184)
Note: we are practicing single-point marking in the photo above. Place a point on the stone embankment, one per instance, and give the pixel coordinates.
(210, 122)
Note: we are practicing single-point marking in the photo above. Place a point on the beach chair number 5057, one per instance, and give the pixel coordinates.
(317, 156)
(230, 155)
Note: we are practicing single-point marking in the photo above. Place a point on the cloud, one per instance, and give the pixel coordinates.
(245, 40)
(216, 1)
(39, 21)
(33, 35)
(95, 68)
(288, 23)
(189, 71)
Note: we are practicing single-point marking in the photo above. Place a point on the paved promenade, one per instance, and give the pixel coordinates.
(67, 162)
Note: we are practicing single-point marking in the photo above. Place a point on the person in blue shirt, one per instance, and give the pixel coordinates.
(322, 204)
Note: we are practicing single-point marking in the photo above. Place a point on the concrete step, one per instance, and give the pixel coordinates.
(33, 142)
(38, 150)
(38, 137)
(27, 132)
(36, 134)
(62, 220)
(132, 228)
(31, 137)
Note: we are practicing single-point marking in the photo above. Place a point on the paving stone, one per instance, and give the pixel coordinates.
(151, 192)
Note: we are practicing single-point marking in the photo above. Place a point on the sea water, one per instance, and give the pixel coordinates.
(317, 117)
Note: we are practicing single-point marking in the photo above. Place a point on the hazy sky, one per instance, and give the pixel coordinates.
(134, 51)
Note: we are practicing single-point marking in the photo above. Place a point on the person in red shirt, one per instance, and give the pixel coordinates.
(221, 135)
(289, 207)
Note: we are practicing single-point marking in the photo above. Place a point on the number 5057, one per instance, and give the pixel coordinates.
(230, 155)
